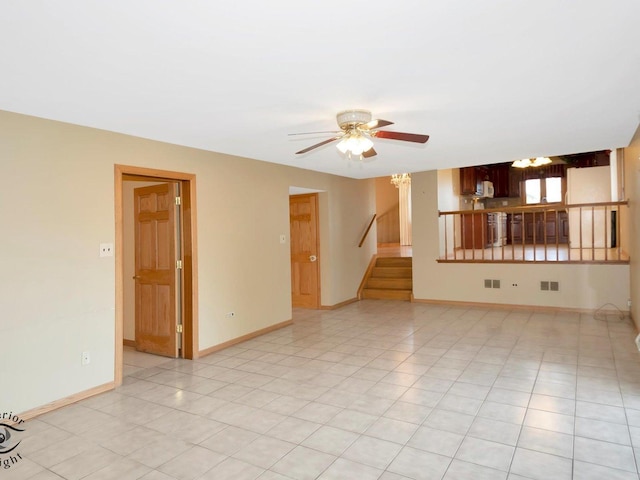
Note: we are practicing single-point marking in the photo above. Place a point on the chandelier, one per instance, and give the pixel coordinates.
(400, 179)
(531, 162)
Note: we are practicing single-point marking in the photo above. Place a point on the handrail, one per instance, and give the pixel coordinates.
(549, 232)
(535, 208)
(393, 209)
(367, 231)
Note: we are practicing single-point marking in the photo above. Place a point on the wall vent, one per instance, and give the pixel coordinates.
(488, 284)
(544, 285)
(554, 286)
(496, 283)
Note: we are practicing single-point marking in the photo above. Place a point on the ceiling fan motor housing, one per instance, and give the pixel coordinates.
(351, 118)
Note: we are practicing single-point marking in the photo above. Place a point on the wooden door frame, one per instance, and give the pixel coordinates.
(190, 264)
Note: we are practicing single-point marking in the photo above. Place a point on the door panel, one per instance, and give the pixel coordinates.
(305, 274)
(155, 251)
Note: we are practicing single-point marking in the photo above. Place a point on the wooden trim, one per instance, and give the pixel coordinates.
(506, 306)
(129, 343)
(339, 305)
(243, 338)
(188, 183)
(119, 275)
(535, 208)
(537, 262)
(367, 274)
(63, 402)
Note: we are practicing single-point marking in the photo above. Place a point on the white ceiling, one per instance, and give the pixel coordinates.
(489, 81)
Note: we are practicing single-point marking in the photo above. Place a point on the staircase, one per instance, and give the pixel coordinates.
(390, 278)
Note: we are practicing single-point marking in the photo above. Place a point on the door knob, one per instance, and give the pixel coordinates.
(313, 258)
(136, 277)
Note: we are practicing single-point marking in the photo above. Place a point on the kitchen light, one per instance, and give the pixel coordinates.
(531, 162)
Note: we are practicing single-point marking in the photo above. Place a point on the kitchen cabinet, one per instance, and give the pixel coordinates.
(535, 227)
(589, 159)
(515, 179)
(474, 230)
(499, 175)
(481, 230)
(471, 179)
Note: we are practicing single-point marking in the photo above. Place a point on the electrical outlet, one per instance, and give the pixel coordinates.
(230, 314)
(86, 358)
(106, 250)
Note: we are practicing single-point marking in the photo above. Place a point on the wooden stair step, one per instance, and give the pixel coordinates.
(390, 283)
(380, 294)
(391, 272)
(394, 262)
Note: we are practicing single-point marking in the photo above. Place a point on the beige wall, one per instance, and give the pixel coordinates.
(632, 190)
(581, 286)
(388, 211)
(57, 206)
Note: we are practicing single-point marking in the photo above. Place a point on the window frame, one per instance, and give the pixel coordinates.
(543, 190)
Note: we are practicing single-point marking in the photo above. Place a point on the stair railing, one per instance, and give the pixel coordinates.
(364, 237)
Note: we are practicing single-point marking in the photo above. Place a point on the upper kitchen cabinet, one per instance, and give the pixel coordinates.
(589, 159)
(515, 180)
(499, 175)
(471, 179)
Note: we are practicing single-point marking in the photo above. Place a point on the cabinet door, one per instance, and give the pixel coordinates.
(482, 174)
(499, 175)
(515, 177)
(517, 234)
(468, 181)
(473, 230)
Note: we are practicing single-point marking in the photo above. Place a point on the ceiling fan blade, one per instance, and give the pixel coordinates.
(407, 137)
(376, 124)
(308, 149)
(369, 153)
(313, 133)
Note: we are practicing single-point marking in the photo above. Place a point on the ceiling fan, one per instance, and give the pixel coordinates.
(356, 130)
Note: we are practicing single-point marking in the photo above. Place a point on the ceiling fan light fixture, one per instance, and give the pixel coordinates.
(353, 117)
(354, 144)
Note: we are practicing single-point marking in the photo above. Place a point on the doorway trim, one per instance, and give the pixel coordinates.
(190, 263)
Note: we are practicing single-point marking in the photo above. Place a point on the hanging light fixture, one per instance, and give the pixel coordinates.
(531, 162)
(400, 179)
(354, 143)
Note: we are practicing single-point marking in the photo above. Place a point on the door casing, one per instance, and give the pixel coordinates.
(189, 257)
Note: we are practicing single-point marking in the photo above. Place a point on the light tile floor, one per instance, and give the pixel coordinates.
(375, 390)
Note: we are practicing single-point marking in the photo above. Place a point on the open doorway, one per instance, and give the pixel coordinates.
(393, 218)
(183, 261)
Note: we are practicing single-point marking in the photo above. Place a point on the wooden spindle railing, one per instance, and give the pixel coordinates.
(540, 234)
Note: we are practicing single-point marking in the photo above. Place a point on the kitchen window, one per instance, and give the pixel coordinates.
(543, 190)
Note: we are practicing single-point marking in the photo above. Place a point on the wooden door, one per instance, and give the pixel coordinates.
(155, 252)
(305, 272)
